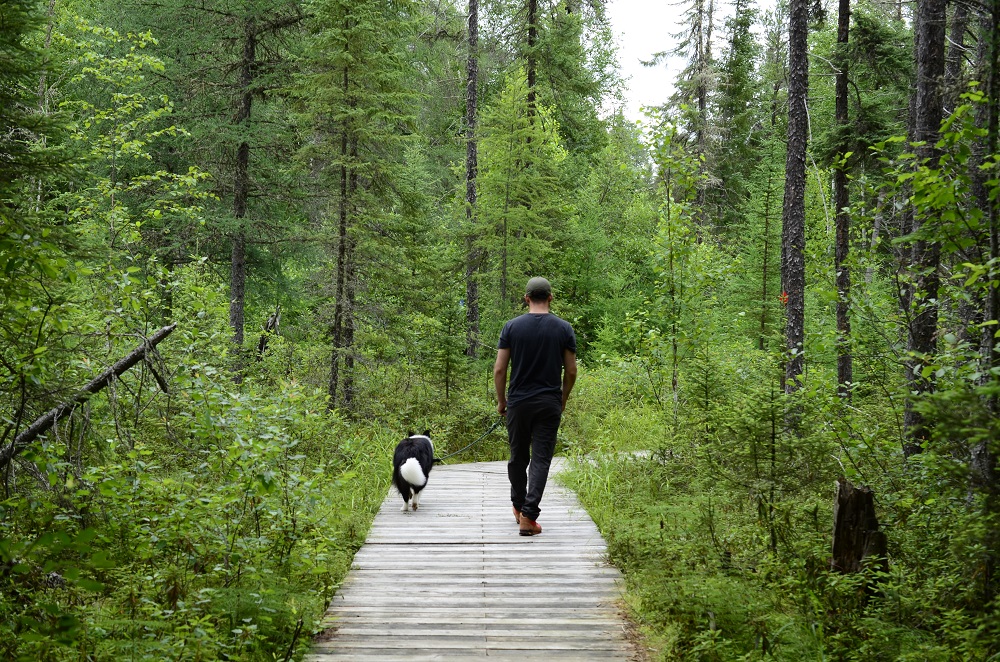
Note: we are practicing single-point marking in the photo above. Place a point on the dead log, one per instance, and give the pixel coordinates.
(49, 418)
(857, 541)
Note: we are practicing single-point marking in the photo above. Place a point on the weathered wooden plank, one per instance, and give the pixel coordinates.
(454, 580)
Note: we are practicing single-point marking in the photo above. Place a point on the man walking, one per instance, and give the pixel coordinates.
(540, 349)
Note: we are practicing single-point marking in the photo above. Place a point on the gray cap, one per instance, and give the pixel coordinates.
(538, 286)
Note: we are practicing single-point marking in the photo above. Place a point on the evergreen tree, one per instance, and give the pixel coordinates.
(740, 126)
(926, 257)
(358, 99)
(522, 206)
(793, 219)
(33, 248)
(473, 256)
(222, 78)
(695, 85)
(841, 200)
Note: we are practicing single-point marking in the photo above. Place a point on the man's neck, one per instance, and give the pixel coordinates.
(538, 307)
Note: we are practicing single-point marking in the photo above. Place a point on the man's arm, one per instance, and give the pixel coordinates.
(569, 374)
(500, 379)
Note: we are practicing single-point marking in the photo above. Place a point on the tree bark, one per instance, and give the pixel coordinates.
(337, 332)
(532, 55)
(241, 190)
(992, 29)
(926, 254)
(841, 202)
(341, 283)
(793, 237)
(473, 256)
(954, 85)
(95, 385)
(985, 473)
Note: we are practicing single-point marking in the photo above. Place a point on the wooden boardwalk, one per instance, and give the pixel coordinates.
(455, 581)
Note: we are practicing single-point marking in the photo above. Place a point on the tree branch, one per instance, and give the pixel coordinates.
(49, 419)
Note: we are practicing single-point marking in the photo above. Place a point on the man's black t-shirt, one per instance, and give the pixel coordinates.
(536, 342)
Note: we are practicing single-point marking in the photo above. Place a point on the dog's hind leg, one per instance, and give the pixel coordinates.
(405, 491)
(416, 499)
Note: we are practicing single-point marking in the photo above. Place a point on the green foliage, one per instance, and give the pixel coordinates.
(879, 59)
(523, 207)
(721, 523)
(214, 520)
(212, 527)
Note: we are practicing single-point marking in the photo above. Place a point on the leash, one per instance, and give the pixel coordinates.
(484, 435)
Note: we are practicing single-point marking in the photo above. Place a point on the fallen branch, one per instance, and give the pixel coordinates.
(49, 418)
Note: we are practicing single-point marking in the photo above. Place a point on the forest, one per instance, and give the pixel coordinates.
(246, 246)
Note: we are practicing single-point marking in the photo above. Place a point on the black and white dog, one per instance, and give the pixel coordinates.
(411, 465)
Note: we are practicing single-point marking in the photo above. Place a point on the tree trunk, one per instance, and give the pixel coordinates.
(241, 192)
(986, 476)
(926, 256)
(793, 233)
(351, 284)
(857, 540)
(472, 253)
(270, 328)
(349, 328)
(237, 288)
(762, 337)
(337, 332)
(954, 85)
(532, 56)
(841, 202)
(992, 110)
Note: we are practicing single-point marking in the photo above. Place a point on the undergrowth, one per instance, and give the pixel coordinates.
(720, 519)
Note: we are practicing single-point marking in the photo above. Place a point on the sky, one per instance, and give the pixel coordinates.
(643, 27)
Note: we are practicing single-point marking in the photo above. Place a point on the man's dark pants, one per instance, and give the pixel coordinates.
(531, 431)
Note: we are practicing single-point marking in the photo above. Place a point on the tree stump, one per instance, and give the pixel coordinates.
(857, 541)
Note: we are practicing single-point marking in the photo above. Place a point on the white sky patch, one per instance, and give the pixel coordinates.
(642, 28)
(645, 27)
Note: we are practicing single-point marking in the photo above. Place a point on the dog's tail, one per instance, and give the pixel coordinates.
(412, 473)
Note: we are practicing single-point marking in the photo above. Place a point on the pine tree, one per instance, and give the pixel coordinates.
(357, 95)
(841, 202)
(522, 207)
(926, 255)
(695, 86)
(473, 255)
(740, 129)
(222, 77)
(793, 210)
(33, 250)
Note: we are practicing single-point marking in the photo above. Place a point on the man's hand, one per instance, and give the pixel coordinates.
(500, 379)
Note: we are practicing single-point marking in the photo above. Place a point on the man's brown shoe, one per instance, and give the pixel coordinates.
(517, 514)
(529, 527)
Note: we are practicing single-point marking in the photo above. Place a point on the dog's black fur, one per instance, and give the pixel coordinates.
(405, 476)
